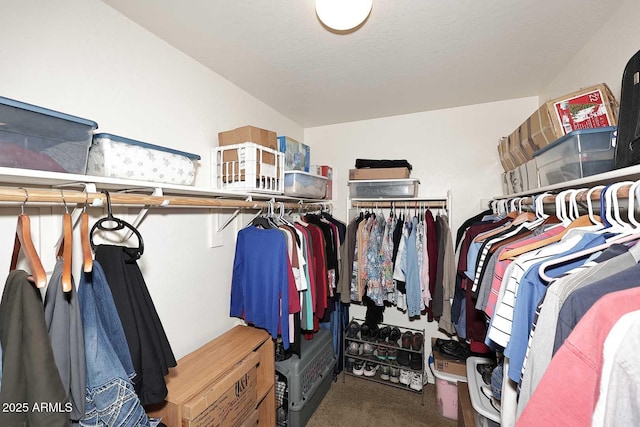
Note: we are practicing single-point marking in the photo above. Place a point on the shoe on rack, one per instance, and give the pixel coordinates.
(349, 364)
(394, 336)
(354, 348)
(370, 369)
(417, 342)
(382, 352)
(392, 354)
(404, 358)
(368, 349)
(383, 334)
(352, 329)
(405, 377)
(364, 332)
(416, 381)
(358, 367)
(374, 332)
(416, 361)
(385, 372)
(407, 339)
(394, 375)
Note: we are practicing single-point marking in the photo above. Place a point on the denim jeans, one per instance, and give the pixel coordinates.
(111, 399)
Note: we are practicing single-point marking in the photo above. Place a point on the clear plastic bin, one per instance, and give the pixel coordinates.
(33, 137)
(447, 392)
(576, 155)
(384, 188)
(248, 167)
(117, 157)
(306, 185)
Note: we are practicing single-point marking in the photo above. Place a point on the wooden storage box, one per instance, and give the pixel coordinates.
(227, 382)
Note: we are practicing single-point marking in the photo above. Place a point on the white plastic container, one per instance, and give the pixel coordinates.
(379, 188)
(447, 393)
(117, 157)
(247, 167)
(305, 185)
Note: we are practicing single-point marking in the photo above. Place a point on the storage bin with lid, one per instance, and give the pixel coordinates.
(118, 157)
(578, 154)
(33, 137)
(378, 188)
(304, 184)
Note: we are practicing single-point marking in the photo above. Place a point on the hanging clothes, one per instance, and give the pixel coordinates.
(148, 344)
(30, 376)
(64, 325)
(111, 399)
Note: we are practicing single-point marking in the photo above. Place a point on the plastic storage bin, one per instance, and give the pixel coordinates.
(308, 377)
(303, 184)
(576, 155)
(117, 157)
(33, 137)
(384, 188)
(447, 393)
(248, 167)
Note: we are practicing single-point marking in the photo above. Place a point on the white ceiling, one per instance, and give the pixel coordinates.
(409, 56)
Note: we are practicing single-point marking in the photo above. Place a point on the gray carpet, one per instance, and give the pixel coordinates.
(357, 402)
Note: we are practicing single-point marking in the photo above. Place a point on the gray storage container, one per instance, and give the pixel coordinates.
(308, 377)
(383, 188)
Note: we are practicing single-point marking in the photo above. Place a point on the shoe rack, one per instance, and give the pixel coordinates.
(379, 349)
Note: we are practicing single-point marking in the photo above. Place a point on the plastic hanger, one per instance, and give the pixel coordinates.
(23, 241)
(134, 253)
(581, 221)
(65, 249)
(632, 204)
(87, 257)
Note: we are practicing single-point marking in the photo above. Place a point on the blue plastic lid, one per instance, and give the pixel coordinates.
(47, 112)
(145, 145)
(570, 135)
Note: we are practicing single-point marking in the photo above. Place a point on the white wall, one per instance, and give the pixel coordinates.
(603, 57)
(83, 58)
(452, 149)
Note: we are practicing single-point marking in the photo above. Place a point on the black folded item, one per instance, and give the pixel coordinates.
(452, 349)
(366, 163)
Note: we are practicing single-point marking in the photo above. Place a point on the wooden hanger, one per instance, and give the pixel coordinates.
(23, 241)
(65, 252)
(87, 257)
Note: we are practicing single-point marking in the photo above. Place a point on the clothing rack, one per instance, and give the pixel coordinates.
(58, 196)
(404, 203)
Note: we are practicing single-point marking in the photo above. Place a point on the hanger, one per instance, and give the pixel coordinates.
(632, 205)
(87, 258)
(581, 221)
(134, 253)
(23, 241)
(65, 249)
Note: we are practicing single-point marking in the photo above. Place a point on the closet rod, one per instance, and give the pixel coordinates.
(401, 204)
(54, 196)
(623, 191)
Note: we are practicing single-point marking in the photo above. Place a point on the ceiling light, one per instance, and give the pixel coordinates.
(343, 15)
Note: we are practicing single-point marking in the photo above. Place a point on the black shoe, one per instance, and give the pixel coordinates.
(452, 349)
(415, 362)
(485, 369)
(352, 329)
(394, 336)
(384, 333)
(404, 358)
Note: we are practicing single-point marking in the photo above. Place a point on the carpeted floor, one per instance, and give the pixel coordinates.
(357, 402)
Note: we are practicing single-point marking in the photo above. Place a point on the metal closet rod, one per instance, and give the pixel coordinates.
(60, 195)
(623, 191)
(401, 204)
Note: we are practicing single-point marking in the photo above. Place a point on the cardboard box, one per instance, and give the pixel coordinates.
(379, 173)
(446, 365)
(253, 134)
(591, 107)
(297, 155)
(327, 171)
(588, 108)
(229, 401)
(240, 135)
